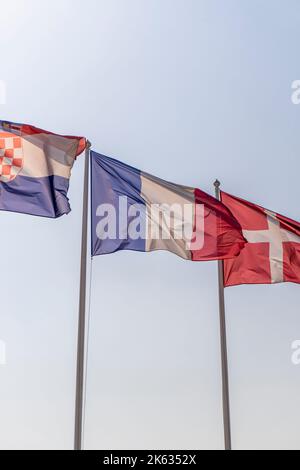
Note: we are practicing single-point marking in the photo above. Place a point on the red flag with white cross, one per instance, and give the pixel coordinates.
(272, 254)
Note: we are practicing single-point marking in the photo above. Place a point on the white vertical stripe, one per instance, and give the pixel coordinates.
(168, 196)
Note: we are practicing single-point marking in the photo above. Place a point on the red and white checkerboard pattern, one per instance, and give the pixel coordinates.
(11, 157)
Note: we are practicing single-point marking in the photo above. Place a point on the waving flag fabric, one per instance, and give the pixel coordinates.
(35, 168)
(132, 210)
(272, 254)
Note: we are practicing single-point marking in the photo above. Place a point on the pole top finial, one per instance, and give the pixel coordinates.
(217, 183)
(88, 144)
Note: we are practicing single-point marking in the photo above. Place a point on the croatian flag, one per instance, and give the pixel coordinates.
(132, 210)
(35, 168)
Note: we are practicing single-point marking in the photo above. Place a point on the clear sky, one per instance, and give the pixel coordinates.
(188, 90)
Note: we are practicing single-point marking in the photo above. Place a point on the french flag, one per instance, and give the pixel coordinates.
(132, 210)
(35, 169)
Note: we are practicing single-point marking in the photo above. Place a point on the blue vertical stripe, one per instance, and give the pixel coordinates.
(112, 179)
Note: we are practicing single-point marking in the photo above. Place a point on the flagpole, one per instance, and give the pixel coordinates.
(82, 308)
(224, 358)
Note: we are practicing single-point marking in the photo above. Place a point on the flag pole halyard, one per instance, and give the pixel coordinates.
(82, 308)
(224, 358)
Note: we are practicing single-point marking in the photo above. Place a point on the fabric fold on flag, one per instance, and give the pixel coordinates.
(272, 254)
(133, 210)
(35, 169)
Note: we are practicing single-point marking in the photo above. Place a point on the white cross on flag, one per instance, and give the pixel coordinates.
(272, 254)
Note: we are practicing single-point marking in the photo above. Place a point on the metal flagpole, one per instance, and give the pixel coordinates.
(82, 308)
(224, 358)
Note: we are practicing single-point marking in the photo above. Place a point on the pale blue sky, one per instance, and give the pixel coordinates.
(188, 90)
